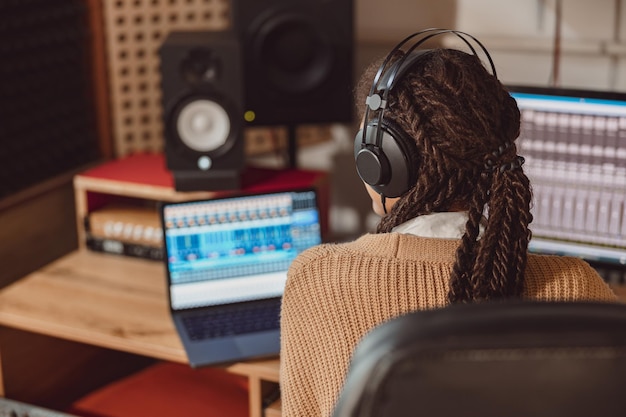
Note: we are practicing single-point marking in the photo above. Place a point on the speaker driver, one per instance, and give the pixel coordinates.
(294, 53)
(201, 66)
(203, 125)
(297, 60)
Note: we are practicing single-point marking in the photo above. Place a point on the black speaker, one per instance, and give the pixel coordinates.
(202, 91)
(298, 60)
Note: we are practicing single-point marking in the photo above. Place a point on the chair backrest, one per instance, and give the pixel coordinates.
(507, 359)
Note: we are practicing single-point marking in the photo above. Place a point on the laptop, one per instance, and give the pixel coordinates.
(226, 265)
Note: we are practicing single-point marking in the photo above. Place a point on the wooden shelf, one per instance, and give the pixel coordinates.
(274, 409)
(144, 177)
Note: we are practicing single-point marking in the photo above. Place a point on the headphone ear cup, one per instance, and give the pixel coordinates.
(371, 162)
(390, 169)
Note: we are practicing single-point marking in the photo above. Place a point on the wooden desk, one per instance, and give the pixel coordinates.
(121, 305)
(84, 297)
(72, 314)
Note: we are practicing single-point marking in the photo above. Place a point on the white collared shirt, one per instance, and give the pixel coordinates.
(446, 225)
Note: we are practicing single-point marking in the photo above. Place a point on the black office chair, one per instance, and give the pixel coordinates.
(513, 359)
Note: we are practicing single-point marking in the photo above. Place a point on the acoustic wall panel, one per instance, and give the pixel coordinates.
(48, 117)
(134, 31)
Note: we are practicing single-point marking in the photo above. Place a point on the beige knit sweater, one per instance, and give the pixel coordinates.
(335, 293)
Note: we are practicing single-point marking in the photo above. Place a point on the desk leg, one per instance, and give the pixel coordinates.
(255, 396)
(1, 374)
(260, 391)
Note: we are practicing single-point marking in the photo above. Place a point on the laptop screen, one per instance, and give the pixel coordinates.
(236, 249)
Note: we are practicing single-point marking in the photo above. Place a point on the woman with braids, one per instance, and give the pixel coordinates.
(459, 234)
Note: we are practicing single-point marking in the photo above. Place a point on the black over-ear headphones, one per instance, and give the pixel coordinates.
(386, 157)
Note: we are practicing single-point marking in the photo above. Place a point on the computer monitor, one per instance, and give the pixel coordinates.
(574, 143)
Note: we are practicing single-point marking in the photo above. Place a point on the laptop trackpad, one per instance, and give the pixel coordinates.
(263, 343)
(212, 351)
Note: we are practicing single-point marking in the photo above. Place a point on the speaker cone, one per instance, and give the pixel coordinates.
(203, 125)
(297, 60)
(295, 55)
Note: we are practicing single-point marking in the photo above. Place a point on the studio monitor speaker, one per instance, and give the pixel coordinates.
(298, 58)
(202, 91)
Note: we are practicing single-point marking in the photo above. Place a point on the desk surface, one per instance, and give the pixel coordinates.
(83, 297)
(121, 305)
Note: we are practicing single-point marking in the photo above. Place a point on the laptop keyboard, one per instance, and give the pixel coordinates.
(233, 320)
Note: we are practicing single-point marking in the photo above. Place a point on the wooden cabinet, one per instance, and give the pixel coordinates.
(143, 181)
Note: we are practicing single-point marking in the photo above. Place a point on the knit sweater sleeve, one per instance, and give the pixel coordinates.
(564, 278)
(308, 375)
(333, 296)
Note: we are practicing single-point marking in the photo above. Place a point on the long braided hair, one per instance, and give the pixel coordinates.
(464, 123)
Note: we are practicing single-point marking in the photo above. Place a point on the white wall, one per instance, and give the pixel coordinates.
(391, 20)
(520, 35)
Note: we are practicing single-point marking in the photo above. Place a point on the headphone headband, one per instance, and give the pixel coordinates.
(377, 103)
